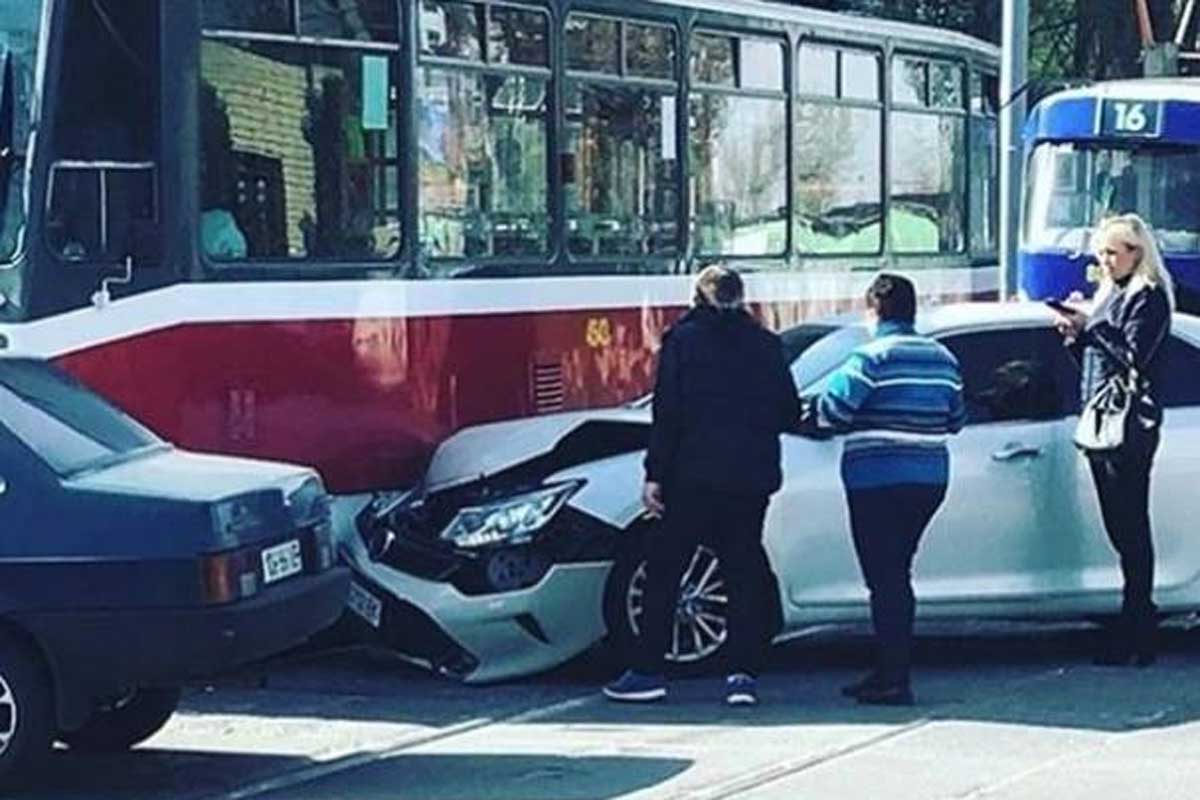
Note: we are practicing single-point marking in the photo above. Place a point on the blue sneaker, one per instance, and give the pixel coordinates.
(741, 690)
(634, 687)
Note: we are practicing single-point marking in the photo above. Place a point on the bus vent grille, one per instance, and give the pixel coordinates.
(547, 388)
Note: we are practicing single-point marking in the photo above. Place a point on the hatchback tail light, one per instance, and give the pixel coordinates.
(229, 576)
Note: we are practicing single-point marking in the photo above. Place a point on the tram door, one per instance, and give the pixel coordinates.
(102, 205)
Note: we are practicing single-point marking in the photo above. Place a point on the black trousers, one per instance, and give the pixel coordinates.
(732, 524)
(1123, 486)
(887, 523)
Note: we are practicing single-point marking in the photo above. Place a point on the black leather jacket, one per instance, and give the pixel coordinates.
(723, 395)
(1133, 321)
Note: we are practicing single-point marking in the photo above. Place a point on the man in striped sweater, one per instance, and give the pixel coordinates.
(897, 398)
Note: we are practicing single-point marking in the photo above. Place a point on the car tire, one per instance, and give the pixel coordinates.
(123, 724)
(26, 708)
(622, 610)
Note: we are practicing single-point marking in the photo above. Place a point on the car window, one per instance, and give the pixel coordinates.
(825, 355)
(66, 424)
(1013, 375)
(1179, 375)
(798, 339)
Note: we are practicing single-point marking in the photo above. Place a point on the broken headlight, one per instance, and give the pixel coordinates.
(508, 520)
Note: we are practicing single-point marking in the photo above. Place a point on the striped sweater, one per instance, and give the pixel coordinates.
(897, 397)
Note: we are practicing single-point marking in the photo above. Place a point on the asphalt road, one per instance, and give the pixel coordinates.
(1003, 712)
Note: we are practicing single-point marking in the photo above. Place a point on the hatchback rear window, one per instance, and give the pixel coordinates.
(69, 426)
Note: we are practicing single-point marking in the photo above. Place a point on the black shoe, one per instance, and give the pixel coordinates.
(880, 695)
(868, 681)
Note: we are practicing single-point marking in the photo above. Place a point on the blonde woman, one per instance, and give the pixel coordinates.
(1131, 314)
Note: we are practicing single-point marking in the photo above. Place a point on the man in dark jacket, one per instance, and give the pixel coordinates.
(722, 397)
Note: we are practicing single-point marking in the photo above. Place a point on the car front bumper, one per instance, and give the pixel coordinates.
(96, 654)
(487, 637)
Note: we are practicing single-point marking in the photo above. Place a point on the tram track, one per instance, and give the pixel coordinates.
(364, 758)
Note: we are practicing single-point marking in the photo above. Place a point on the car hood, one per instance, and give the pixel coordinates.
(181, 475)
(484, 450)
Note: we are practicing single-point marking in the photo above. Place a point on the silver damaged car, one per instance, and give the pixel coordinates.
(523, 545)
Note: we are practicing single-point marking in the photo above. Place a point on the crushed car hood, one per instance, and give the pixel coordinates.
(484, 450)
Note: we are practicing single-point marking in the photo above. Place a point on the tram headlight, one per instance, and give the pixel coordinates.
(509, 520)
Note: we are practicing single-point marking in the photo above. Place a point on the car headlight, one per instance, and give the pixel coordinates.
(511, 520)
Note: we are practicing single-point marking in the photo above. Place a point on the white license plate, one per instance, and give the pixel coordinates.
(281, 561)
(365, 604)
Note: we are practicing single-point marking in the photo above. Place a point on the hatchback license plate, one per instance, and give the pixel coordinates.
(281, 561)
(365, 605)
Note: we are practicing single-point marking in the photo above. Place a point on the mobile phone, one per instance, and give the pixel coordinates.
(1060, 306)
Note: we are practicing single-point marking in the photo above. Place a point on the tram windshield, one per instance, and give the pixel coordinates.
(20, 21)
(1071, 187)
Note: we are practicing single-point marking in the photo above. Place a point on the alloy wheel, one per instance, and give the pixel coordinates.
(8, 715)
(700, 624)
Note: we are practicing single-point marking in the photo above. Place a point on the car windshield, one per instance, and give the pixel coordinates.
(813, 349)
(67, 425)
(825, 355)
(1071, 187)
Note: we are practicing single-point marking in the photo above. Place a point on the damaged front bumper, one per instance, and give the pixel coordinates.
(489, 615)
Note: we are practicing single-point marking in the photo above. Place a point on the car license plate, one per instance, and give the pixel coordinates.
(365, 604)
(281, 561)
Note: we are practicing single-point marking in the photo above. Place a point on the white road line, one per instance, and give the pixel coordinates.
(315, 772)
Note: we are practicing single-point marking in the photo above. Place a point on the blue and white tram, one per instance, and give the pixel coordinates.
(1111, 148)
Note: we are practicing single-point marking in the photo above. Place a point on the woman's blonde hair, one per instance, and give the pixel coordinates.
(1150, 270)
(719, 287)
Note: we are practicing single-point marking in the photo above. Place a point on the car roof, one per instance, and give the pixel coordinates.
(944, 318)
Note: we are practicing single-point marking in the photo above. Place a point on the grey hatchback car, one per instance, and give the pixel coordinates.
(128, 566)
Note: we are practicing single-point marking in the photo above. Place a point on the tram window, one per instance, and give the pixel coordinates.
(483, 168)
(945, 85)
(261, 16)
(712, 59)
(519, 36)
(860, 76)
(294, 151)
(452, 29)
(985, 184)
(839, 179)
(985, 164)
(623, 198)
(818, 70)
(355, 20)
(650, 51)
(106, 131)
(738, 145)
(593, 44)
(928, 158)
(760, 65)
(910, 80)
(985, 94)
(739, 174)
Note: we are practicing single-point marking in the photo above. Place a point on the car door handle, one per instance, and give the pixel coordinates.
(1016, 450)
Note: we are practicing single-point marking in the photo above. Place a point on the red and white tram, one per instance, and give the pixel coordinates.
(334, 231)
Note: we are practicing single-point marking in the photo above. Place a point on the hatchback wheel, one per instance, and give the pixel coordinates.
(26, 708)
(123, 723)
(699, 625)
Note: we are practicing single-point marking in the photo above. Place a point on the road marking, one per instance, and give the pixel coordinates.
(315, 772)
